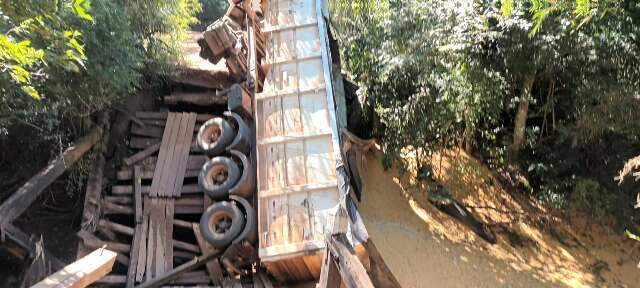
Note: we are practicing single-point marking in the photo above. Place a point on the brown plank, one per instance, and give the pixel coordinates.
(151, 239)
(166, 151)
(381, 275)
(116, 227)
(208, 98)
(351, 269)
(137, 236)
(128, 190)
(126, 174)
(92, 241)
(111, 208)
(213, 267)
(169, 244)
(163, 116)
(148, 131)
(183, 153)
(142, 142)
(329, 277)
(142, 256)
(135, 158)
(182, 223)
(133, 256)
(137, 194)
(168, 176)
(194, 162)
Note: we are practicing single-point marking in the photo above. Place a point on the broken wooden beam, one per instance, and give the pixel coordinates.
(83, 272)
(214, 269)
(186, 267)
(19, 201)
(135, 158)
(381, 275)
(209, 98)
(351, 270)
(22, 239)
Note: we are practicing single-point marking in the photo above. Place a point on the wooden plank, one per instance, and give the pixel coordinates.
(291, 115)
(381, 275)
(128, 190)
(351, 270)
(137, 194)
(142, 255)
(19, 201)
(209, 98)
(93, 192)
(94, 242)
(133, 256)
(111, 208)
(169, 243)
(152, 247)
(166, 151)
(168, 175)
(135, 158)
(137, 242)
(116, 227)
(194, 162)
(213, 267)
(142, 142)
(188, 266)
(296, 174)
(329, 277)
(147, 131)
(163, 116)
(83, 272)
(183, 153)
(146, 174)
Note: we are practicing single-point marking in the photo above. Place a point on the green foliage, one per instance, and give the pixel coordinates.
(446, 73)
(76, 57)
(212, 10)
(61, 61)
(590, 197)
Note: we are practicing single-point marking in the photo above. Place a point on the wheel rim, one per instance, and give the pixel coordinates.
(212, 134)
(220, 223)
(218, 174)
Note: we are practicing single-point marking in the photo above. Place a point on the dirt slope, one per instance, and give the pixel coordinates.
(426, 248)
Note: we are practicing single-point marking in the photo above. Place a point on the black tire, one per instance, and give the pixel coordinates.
(217, 176)
(214, 136)
(221, 223)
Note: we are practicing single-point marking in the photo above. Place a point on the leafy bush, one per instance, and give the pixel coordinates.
(61, 61)
(590, 197)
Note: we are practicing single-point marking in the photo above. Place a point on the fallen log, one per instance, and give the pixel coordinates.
(19, 201)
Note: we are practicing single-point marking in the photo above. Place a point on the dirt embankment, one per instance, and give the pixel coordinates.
(426, 248)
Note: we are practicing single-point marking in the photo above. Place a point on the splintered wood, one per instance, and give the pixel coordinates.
(155, 239)
(174, 152)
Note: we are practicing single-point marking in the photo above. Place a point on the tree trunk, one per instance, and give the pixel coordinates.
(521, 116)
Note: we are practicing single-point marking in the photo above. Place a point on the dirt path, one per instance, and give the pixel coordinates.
(425, 248)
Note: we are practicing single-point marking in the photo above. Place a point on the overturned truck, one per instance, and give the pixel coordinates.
(244, 179)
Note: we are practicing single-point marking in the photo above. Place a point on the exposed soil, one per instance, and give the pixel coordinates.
(536, 248)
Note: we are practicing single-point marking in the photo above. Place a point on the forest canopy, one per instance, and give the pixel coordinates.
(542, 89)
